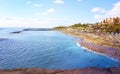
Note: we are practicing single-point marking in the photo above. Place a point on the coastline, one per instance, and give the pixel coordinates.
(90, 70)
(106, 55)
(96, 44)
(103, 50)
(73, 71)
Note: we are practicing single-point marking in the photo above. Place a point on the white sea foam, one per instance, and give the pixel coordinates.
(106, 55)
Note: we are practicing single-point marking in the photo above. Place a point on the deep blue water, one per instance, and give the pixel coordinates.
(46, 49)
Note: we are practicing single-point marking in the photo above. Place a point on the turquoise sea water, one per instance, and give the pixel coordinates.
(46, 49)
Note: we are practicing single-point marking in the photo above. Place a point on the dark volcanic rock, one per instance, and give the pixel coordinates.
(75, 71)
(16, 32)
(32, 29)
(37, 29)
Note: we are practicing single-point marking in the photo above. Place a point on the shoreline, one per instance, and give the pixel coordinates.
(97, 52)
(102, 51)
(90, 43)
(72, 71)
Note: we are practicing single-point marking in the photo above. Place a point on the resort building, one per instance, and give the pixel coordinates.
(113, 21)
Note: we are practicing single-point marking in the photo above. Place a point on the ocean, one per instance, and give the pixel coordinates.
(46, 49)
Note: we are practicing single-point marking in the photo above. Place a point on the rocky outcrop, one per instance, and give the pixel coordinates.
(16, 32)
(75, 71)
(31, 29)
(37, 29)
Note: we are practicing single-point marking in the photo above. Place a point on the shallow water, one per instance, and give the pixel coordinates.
(46, 49)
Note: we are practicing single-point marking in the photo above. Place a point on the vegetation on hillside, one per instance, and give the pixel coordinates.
(59, 27)
(96, 27)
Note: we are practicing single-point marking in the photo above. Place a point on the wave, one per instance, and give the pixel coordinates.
(95, 52)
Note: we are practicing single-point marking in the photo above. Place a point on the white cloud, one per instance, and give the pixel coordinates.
(101, 13)
(25, 22)
(34, 5)
(35, 22)
(59, 2)
(98, 10)
(37, 5)
(98, 17)
(28, 2)
(49, 11)
(115, 11)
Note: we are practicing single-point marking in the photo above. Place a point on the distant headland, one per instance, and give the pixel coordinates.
(32, 29)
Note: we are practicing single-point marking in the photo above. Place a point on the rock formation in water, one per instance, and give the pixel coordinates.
(16, 32)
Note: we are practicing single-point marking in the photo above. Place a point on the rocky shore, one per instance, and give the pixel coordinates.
(104, 50)
(74, 71)
(105, 44)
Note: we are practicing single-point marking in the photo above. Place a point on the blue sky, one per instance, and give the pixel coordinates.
(50, 13)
